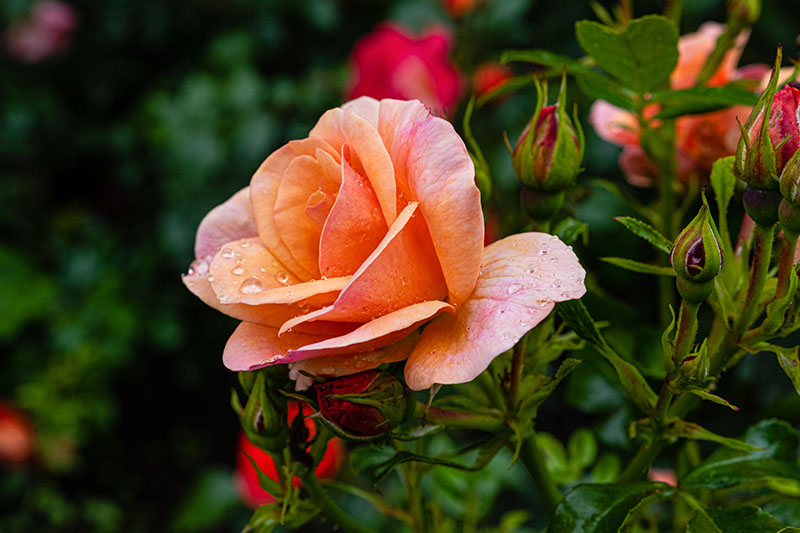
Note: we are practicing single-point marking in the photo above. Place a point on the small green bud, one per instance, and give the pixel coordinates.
(548, 154)
(694, 368)
(261, 421)
(744, 13)
(697, 254)
(364, 405)
(761, 205)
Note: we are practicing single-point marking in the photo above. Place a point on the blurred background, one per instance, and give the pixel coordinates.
(123, 122)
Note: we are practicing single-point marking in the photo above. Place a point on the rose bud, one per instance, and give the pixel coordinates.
(744, 12)
(260, 419)
(789, 209)
(784, 126)
(363, 405)
(755, 154)
(549, 152)
(489, 76)
(697, 256)
(246, 478)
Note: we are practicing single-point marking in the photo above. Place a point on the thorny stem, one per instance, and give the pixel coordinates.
(762, 252)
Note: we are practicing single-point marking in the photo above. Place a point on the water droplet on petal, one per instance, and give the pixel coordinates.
(227, 253)
(237, 271)
(251, 286)
(245, 244)
(531, 268)
(360, 364)
(514, 289)
(198, 266)
(282, 277)
(210, 279)
(328, 370)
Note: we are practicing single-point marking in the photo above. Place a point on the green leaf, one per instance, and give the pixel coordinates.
(266, 482)
(638, 266)
(681, 428)
(600, 508)
(723, 182)
(711, 397)
(368, 456)
(607, 469)
(646, 232)
(745, 519)
(536, 388)
(591, 82)
(701, 100)
(570, 230)
(641, 56)
(775, 460)
(787, 358)
(582, 448)
(633, 383)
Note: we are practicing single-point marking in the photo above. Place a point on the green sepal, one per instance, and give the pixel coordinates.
(678, 428)
(646, 232)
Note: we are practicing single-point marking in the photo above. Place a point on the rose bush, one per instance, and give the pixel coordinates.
(348, 241)
(700, 139)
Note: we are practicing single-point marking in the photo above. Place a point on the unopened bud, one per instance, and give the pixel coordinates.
(744, 12)
(260, 420)
(364, 405)
(784, 127)
(697, 254)
(548, 154)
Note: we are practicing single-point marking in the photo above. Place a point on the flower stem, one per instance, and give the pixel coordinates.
(517, 362)
(328, 507)
(532, 458)
(786, 264)
(687, 331)
(762, 252)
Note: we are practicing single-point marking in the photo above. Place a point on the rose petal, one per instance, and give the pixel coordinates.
(264, 192)
(396, 119)
(253, 346)
(342, 365)
(402, 271)
(268, 315)
(694, 49)
(521, 277)
(441, 178)
(354, 228)
(365, 107)
(343, 126)
(376, 333)
(613, 124)
(303, 177)
(229, 221)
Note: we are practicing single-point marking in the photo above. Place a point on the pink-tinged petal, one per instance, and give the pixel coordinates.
(613, 124)
(638, 169)
(441, 177)
(253, 346)
(365, 107)
(264, 192)
(354, 228)
(343, 365)
(402, 271)
(246, 267)
(230, 221)
(316, 293)
(339, 127)
(375, 334)
(268, 315)
(521, 278)
(396, 119)
(303, 177)
(694, 49)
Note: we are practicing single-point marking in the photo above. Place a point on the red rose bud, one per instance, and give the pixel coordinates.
(549, 152)
(784, 126)
(247, 484)
(364, 405)
(489, 76)
(755, 154)
(697, 254)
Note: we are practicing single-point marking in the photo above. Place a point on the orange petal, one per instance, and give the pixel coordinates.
(377, 333)
(303, 177)
(694, 48)
(342, 365)
(246, 272)
(441, 178)
(354, 228)
(365, 107)
(338, 127)
(402, 271)
(268, 315)
(521, 278)
(252, 346)
(264, 193)
(227, 222)
(396, 118)
(613, 124)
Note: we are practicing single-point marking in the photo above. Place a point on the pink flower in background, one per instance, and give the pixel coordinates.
(391, 62)
(489, 76)
(663, 475)
(350, 240)
(16, 435)
(700, 139)
(45, 33)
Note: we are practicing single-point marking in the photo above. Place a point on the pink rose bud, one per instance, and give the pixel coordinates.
(784, 125)
(549, 152)
(363, 405)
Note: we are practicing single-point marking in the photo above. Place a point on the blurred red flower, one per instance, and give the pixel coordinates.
(391, 62)
(459, 8)
(44, 33)
(246, 477)
(16, 435)
(489, 76)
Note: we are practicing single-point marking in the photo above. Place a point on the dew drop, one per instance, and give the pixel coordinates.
(237, 271)
(503, 310)
(245, 244)
(210, 279)
(251, 286)
(262, 269)
(282, 277)
(360, 364)
(514, 289)
(328, 370)
(531, 268)
(554, 259)
(227, 253)
(557, 284)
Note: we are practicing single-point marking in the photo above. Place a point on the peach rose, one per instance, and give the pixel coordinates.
(348, 241)
(700, 139)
